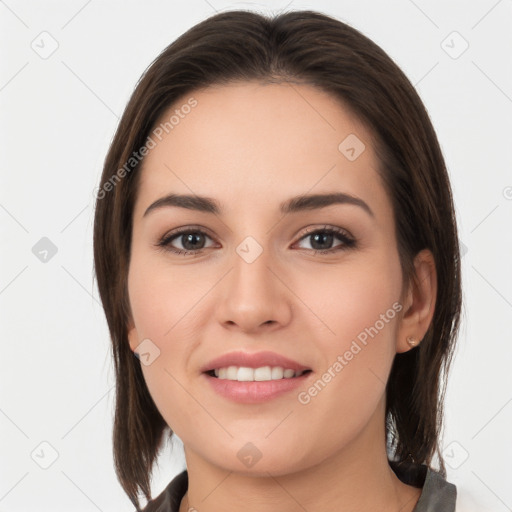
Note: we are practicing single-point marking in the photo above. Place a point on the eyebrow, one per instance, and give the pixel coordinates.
(292, 205)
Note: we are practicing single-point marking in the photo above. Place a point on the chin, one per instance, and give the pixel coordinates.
(258, 459)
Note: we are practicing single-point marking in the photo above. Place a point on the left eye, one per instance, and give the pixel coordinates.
(320, 238)
(193, 241)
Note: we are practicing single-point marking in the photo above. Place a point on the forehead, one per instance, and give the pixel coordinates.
(259, 141)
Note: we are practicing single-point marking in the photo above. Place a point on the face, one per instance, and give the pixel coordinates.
(321, 286)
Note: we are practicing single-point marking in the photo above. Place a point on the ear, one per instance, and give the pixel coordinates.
(419, 302)
(133, 335)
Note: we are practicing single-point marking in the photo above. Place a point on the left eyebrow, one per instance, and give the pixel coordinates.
(316, 201)
(292, 205)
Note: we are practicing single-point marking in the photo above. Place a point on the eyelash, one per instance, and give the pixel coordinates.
(347, 241)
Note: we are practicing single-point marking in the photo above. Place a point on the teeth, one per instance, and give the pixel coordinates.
(277, 373)
(244, 374)
(232, 373)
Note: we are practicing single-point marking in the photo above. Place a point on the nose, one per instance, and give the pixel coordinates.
(253, 296)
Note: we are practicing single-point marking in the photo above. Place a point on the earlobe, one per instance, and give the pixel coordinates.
(420, 304)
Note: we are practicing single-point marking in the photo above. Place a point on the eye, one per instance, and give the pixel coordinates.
(192, 241)
(322, 239)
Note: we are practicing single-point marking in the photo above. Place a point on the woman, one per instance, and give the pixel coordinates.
(275, 242)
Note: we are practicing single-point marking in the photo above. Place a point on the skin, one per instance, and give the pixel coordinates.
(306, 305)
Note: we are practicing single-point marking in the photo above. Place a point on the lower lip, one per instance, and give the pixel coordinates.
(255, 391)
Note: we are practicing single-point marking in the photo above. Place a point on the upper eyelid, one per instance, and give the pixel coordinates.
(309, 230)
(327, 227)
(187, 229)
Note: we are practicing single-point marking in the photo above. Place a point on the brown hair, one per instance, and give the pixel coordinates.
(313, 48)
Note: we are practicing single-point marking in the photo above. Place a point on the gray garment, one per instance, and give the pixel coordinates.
(437, 494)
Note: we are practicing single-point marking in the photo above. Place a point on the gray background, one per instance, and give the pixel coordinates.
(66, 72)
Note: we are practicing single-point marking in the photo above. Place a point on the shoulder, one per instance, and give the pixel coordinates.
(169, 499)
(437, 494)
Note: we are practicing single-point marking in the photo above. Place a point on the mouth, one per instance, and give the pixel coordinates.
(254, 377)
(260, 374)
(245, 385)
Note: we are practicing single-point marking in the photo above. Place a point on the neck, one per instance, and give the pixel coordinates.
(356, 477)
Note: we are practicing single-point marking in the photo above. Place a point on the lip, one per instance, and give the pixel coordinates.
(253, 360)
(256, 391)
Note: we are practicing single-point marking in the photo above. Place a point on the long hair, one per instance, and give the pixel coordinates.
(305, 47)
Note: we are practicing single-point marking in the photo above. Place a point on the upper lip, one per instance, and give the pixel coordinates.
(253, 360)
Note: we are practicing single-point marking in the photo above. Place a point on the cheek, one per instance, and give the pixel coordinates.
(353, 297)
(167, 310)
(360, 307)
(162, 298)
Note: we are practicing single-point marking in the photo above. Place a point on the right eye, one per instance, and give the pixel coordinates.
(192, 241)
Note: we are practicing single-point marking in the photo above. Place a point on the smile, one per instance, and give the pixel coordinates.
(263, 373)
(255, 391)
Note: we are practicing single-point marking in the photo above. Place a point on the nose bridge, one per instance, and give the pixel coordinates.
(251, 262)
(253, 295)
